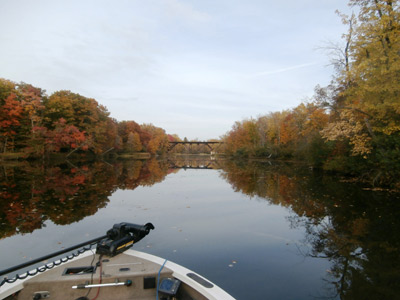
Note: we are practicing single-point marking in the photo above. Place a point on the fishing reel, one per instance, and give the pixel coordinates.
(121, 237)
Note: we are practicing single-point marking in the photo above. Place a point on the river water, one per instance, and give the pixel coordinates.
(259, 230)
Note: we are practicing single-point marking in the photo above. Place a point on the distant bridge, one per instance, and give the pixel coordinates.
(208, 144)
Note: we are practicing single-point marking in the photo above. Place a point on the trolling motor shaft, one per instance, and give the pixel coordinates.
(118, 239)
(121, 237)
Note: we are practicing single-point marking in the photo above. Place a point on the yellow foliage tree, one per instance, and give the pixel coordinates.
(369, 108)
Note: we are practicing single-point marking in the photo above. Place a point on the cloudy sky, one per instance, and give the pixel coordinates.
(190, 67)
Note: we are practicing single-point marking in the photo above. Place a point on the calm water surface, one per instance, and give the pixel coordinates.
(257, 229)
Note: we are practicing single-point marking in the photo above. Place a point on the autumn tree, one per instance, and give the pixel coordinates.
(32, 102)
(158, 142)
(83, 113)
(366, 104)
(133, 143)
(242, 139)
(130, 133)
(104, 135)
(281, 134)
(11, 112)
(65, 137)
(30, 135)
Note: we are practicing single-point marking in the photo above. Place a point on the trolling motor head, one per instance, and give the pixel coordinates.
(121, 237)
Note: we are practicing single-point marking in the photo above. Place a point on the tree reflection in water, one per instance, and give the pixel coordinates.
(65, 193)
(355, 229)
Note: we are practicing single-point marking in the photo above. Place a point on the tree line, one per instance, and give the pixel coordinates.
(353, 124)
(35, 124)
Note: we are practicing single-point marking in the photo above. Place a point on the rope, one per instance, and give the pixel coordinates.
(46, 267)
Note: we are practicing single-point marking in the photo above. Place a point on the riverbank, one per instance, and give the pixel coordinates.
(138, 155)
(346, 176)
(12, 156)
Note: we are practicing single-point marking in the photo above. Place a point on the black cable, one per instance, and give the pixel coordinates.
(40, 259)
(91, 276)
(45, 267)
(101, 276)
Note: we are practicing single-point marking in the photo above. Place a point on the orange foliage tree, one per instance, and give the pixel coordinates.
(35, 124)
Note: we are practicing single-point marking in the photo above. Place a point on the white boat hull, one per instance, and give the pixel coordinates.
(140, 268)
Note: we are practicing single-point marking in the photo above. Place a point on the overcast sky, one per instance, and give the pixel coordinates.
(190, 67)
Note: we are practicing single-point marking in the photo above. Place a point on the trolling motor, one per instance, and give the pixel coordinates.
(118, 239)
(121, 237)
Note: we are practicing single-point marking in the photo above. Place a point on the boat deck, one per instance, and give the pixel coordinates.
(54, 284)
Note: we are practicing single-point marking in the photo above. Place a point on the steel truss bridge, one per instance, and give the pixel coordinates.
(211, 145)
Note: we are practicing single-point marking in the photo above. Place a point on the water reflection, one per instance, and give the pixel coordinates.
(195, 162)
(65, 193)
(355, 229)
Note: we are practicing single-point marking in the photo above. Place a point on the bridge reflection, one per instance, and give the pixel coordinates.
(197, 163)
